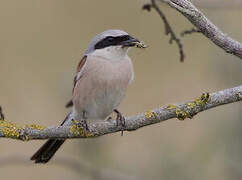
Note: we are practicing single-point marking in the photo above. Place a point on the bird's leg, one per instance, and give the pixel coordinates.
(1, 114)
(120, 120)
(109, 118)
(83, 123)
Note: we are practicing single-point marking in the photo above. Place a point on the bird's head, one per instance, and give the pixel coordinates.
(113, 44)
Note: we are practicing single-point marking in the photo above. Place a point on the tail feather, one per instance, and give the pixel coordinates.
(48, 149)
(69, 104)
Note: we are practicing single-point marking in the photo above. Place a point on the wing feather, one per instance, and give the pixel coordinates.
(79, 72)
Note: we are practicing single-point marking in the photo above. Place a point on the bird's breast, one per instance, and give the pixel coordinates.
(102, 86)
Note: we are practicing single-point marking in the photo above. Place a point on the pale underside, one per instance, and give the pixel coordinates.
(101, 86)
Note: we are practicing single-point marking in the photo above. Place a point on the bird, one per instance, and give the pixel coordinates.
(102, 77)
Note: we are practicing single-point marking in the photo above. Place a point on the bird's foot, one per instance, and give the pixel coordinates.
(120, 120)
(82, 125)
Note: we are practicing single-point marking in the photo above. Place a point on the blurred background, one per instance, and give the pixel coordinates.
(41, 42)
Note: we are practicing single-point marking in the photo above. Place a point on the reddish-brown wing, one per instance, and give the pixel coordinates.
(79, 69)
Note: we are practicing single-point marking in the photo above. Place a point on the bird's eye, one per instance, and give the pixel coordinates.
(110, 39)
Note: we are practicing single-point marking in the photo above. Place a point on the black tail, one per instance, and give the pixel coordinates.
(48, 150)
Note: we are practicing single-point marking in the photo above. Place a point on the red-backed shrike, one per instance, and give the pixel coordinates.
(102, 77)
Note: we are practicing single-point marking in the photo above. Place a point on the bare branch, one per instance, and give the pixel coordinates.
(168, 28)
(219, 4)
(199, 20)
(180, 111)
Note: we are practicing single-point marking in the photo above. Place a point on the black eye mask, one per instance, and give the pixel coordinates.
(112, 41)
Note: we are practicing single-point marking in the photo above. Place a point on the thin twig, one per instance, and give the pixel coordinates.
(168, 28)
(191, 31)
(199, 20)
(180, 111)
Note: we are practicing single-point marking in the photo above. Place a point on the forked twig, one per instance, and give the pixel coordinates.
(168, 28)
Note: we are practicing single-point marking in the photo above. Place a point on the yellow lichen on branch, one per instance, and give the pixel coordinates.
(203, 99)
(191, 107)
(16, 131)
(171, 106)
(77, 129)
(35, 126)
(149, 114)
(10, 130)
(181, 115)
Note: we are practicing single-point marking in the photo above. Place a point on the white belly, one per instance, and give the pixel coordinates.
(101, 87)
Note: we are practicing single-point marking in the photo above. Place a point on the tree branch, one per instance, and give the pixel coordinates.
(199, 20)
(180, 111)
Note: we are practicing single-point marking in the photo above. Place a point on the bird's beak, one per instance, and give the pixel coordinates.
(133, 42)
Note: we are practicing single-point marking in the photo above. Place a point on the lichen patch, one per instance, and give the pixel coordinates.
(149, 114)
(203, 99)
(35, 126)
(77, 129)
(171, 106)
(181, 115)
(10, 130)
